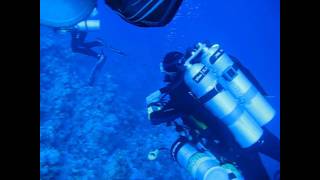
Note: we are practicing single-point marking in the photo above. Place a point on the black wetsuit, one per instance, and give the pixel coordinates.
(221, 142)
(79, 46)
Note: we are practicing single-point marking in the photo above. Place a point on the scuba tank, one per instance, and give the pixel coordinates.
(220, 102)
(235, 81)
(200, 163)
(88, 25)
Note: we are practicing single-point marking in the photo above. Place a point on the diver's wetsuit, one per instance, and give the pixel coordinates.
(183, 104)
(78, 45)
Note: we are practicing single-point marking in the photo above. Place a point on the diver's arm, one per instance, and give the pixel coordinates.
(162, 115)
(160, 108)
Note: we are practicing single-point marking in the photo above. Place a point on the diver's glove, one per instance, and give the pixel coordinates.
(156, 101)
(157, 97)
(160, 109)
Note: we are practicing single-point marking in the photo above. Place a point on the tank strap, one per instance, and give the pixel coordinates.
(211, 94)
(231, 72)
(181, 141)
(216, 55)
(233, 116)
(252, 92)
(86, 24)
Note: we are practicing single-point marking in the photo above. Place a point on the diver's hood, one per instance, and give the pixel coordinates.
(147, 13)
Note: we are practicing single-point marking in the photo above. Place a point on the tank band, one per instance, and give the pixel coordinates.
(181, 141)
(211, 94)
(233, 116)
(231, 72)
(216, 55)
(246, 97)
(86, 25)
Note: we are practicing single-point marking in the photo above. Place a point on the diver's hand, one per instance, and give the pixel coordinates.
(153, 97)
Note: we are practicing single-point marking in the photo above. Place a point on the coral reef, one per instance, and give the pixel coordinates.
(93, 132)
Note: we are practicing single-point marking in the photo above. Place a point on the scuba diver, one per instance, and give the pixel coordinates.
(79, 33)
(78, 44)
(209, 100)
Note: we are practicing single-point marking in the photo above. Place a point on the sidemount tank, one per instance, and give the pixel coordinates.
(202, 165)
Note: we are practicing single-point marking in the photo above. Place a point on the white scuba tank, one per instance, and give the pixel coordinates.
(88, 25)
(233, 79)
(201, 165)
(221, 103)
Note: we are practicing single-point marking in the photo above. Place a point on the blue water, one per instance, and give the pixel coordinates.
(102, 132)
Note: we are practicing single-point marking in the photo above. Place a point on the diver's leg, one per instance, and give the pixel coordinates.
(82, 36)
(86, 51)
(78, 45)
(92, 44)
(77, 37)
(252, 167)
(270, 145)
(97, 69)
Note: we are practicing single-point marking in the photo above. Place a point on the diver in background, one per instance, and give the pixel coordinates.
(78, 44)
(78, 36)
(79, 33)
(175, 100)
